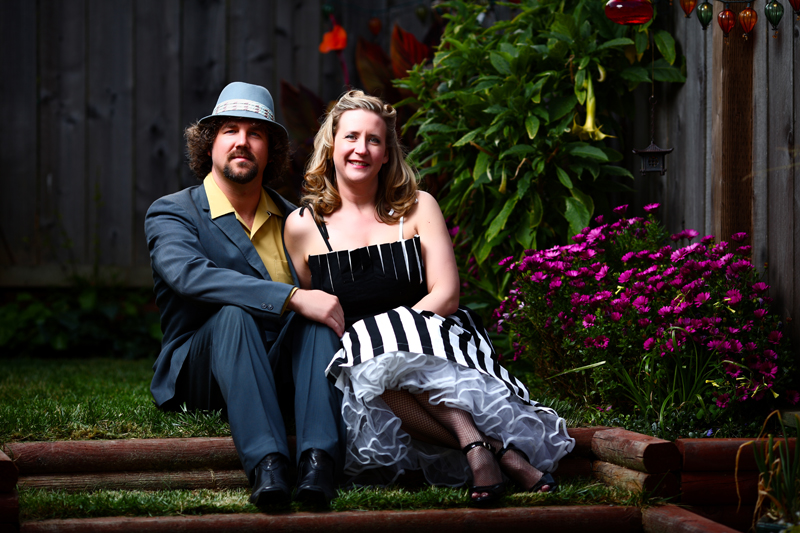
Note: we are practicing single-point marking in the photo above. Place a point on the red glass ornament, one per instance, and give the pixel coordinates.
(727, 20)
(796, 7)
(375, 25)
(630, 11)
(747, 20)
(688, 6)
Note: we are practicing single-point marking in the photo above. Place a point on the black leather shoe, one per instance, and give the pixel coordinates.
(315, 474)
(271, 486)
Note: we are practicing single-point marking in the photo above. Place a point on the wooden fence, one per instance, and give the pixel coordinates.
(94, 99)
(96, 93)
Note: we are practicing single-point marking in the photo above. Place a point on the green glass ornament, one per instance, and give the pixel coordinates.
(774, 11)
(705, 12)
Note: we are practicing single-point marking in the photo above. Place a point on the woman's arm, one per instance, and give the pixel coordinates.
(296, 236)
(438, 257)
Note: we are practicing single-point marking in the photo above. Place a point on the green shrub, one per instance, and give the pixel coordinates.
(508, 122)
(83, 321)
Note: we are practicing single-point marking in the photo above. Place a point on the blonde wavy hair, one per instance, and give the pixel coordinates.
(397, 181)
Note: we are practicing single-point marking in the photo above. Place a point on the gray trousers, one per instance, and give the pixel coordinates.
(237, 366)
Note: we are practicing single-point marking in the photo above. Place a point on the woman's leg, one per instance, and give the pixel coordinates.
(485, 471)
(517, 468)
(416, 421)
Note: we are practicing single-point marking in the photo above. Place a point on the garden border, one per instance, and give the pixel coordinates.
(613, 455)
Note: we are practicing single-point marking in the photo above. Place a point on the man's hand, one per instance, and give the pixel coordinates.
(318, 306)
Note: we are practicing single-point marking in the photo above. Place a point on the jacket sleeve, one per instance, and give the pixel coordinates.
(179, 258)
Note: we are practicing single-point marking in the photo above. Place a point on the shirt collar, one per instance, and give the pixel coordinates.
(219, 204)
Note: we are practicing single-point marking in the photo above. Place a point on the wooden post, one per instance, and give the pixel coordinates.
(733, 129)
(719, 455)
(636, 451)
(673, 519)
(664, 484)
(718, 488)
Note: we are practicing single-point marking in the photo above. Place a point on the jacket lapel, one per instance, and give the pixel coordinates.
(233, 230)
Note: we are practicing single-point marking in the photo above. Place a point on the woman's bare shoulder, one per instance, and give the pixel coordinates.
(300, 222)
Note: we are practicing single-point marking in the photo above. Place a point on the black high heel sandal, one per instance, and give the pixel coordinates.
(546, 479)
(493, 492)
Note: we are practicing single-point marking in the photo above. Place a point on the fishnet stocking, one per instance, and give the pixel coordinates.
(516, 467)
(481, 461)
(416, 421)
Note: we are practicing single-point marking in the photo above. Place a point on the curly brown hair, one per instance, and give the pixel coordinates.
(397, 181)
(200, 137)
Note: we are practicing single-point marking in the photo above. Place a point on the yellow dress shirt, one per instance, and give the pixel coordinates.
(265, 233)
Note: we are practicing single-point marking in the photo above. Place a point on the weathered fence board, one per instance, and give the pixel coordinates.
(62, 133)
(18, 223)
(158, 136)
(110, 129)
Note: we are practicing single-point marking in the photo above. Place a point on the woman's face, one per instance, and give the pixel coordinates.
(359, 147)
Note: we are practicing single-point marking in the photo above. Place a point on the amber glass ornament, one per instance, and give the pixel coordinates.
(796, 6)
(705, 12)
(375, 25)
(688, 6)
(774, 12)
(726, 20)
(747, 20)
(629, 11)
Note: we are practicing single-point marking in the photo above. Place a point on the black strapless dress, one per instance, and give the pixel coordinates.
(389, 345)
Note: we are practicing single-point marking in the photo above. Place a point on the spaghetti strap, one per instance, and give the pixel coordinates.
(322, 229)
(400, 238)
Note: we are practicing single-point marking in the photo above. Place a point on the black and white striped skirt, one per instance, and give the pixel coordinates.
(453, 360)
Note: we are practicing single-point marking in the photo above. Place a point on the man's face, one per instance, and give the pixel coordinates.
(241, 150)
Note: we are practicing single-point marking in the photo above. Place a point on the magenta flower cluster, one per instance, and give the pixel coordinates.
(621, 292)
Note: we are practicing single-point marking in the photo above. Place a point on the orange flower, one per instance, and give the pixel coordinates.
(336, 39)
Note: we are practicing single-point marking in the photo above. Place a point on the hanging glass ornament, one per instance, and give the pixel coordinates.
(705, 12)
(422, 13)
(774, 11)
(688, 6)
(375, 25)
(726, 20)
(796, 6)
(327, 10)
(747, 20)
(630, 11)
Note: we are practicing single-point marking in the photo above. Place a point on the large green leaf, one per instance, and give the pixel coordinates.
(468, 137)
(642, 41)
(436, 128)
(586, 150)
(666, 45)
(500, 63)
(518, 149)
(499, 223)
(663, 71)
(561, 106)
(577, 215)
(622, 41)
(636, 74)
(481, 165)
(585, 199)
(563, 177)
(536, 209)
(531, 126)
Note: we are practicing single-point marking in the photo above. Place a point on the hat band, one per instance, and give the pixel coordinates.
(244, 105)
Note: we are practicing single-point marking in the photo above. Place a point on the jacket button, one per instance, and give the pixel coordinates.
(263, 306)
(269, 307)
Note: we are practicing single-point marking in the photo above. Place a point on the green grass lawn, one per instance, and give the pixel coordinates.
(71, 399)
(76, 399)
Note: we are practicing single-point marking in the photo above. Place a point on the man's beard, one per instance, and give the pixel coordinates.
(245, 176)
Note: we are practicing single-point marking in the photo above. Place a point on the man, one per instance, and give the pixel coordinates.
(230, 306)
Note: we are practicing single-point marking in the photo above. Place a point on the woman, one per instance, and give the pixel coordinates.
(420, 390)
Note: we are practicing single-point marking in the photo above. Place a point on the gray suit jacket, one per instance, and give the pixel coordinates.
(199, 265)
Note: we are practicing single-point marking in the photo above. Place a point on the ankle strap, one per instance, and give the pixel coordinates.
(477, 444)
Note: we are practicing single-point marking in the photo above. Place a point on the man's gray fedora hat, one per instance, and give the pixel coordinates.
(245, 100)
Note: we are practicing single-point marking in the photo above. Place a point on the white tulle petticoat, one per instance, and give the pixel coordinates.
(378, 451)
